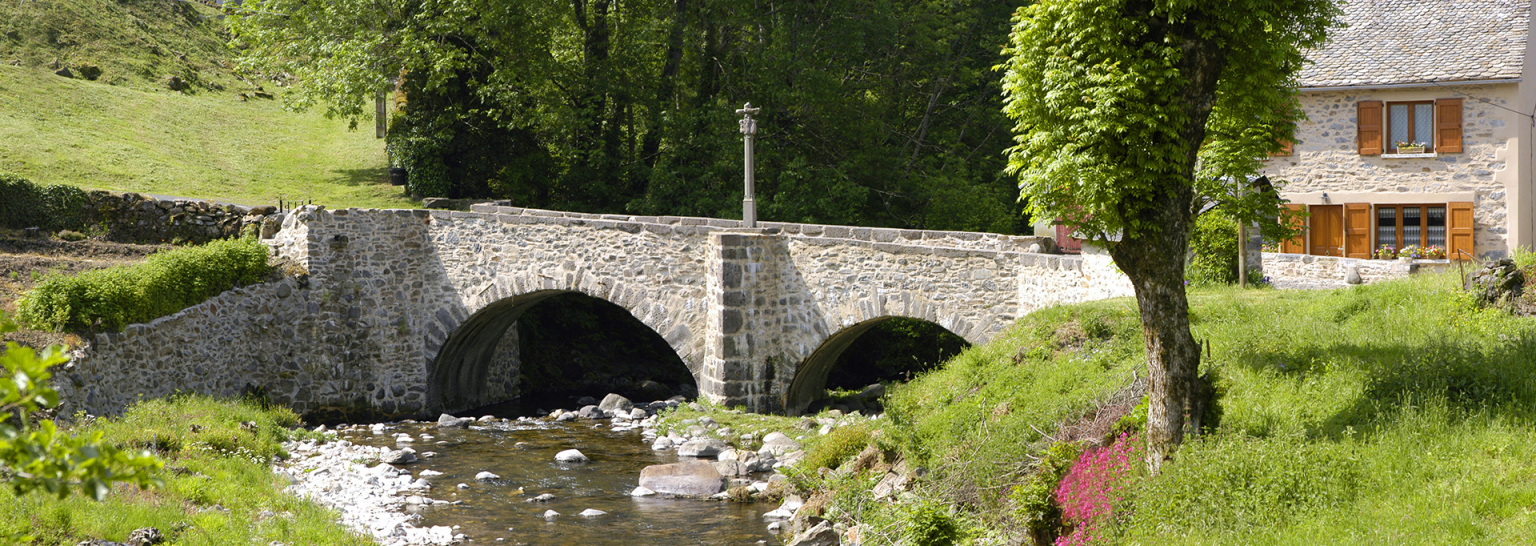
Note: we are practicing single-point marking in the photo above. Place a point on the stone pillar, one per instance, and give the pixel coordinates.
(1255, 253)
(744, 353)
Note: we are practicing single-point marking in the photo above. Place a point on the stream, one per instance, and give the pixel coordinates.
(522, 454)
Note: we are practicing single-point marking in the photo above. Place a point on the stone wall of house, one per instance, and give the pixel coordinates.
(1326, 158)
(406, 312)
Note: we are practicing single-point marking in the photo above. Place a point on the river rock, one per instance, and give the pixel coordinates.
(404, 456)
(449, 421)
(551, 514)
(570, 456)
(543, 497)
(591, 412)
(592, 513)
(567, 416)
(730, 468)
(614, 402)
(637, 413)
(690, 478)
(430, 473)
(661, 444)
(779, 444)
(821, 534)
(703, 447)
(778, 513)
(641, 491)
(486, 476)
(148, 536)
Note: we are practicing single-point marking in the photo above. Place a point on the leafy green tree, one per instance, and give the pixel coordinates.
(39, 456)
(876, 112)
(1130, 117)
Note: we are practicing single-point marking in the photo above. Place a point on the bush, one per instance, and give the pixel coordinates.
(838, 446)
(24, 204)
(1214, 244)
(168, 282)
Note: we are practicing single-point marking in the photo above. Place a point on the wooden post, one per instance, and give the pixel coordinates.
(380, 115)
(1242, 254)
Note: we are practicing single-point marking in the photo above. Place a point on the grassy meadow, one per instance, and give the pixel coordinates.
(208, 145)
(1397, 413)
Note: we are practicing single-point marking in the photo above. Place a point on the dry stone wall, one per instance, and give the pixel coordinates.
(407, 312)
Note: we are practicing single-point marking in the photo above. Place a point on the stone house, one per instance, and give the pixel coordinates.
(1418, 131)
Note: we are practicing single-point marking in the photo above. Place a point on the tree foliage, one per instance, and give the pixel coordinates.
(875, 112)
(1133, 116)
(39, 456)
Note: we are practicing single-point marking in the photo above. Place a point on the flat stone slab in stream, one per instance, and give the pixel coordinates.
(691, 478)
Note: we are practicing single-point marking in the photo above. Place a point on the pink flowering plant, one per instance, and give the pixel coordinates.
(1386, 252)
(1434, 252)
(1093, 487)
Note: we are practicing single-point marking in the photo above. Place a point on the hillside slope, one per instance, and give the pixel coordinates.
(126, 130)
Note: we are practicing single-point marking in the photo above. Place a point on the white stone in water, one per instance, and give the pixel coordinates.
(661, 444)
(571, 456)
(484, 476)
(551, 514)
(775, 526)
(463, 486)
(425, 436)
(430, 473)
(641, 492)
(428, 454)
(778, 513)
(592, 513)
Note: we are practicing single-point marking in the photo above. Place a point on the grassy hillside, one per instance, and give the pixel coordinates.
(1398, 413)
(128, 131)
(208, 145)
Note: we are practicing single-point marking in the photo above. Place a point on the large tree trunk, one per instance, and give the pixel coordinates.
(1153, 258)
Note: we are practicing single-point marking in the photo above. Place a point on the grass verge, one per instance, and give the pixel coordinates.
(219, 487)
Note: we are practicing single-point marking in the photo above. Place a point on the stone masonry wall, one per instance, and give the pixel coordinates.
(1327, 159)
(1307, 271)
(386, 294)
(131, 217)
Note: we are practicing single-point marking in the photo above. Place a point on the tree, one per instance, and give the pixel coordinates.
(39, 456)
(1130, 117)
(876, 112)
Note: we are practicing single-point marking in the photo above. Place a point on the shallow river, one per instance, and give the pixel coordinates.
(523, 454)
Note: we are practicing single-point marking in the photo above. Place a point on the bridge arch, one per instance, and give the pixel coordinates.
(811, 376)
(466, 357)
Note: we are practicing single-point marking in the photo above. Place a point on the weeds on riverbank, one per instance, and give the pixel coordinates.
(1396, 413)
(219, 487)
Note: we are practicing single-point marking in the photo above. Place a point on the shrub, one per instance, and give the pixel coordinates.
(166, 283)
(1214, 244)
(838, 446)
(1091, 490)
(931, 525)
(26, 204)
(1034, 500)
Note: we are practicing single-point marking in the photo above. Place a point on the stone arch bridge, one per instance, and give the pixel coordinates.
(411, 312)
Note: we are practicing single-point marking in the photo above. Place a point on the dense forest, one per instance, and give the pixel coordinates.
(874, 112)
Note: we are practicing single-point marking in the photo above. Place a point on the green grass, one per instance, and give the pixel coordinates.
(218, 491)
(208, 145)
(1397, 413)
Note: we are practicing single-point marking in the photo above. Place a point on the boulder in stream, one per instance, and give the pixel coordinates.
(449, 421)
(571, 456)
(591, 412)
(690, 478)
(778, 443)
(614, 402)
(703, 447)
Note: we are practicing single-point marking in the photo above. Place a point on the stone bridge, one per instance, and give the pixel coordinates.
(412, 312)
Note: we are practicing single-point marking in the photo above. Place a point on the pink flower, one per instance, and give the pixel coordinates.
(1088, 493)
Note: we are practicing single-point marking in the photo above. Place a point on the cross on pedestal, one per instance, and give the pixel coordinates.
(748, 132)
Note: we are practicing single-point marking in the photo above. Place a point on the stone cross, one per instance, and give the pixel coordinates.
(748, 132)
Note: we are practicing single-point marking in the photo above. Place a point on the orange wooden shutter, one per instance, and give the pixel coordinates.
(1292, 215)
(1357, 230)
(1368, 122)
(1459, 238)
(1448, 126)
(1286, 147)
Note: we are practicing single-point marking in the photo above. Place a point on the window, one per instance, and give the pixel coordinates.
(1380, 126)
(1398, 226)
(1410, 123)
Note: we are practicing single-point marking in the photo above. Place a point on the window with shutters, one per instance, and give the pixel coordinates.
(1327, 232)
(1388, 128)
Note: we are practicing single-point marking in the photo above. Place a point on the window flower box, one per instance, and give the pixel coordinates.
(1411, 150)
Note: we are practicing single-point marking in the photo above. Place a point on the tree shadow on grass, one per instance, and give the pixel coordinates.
(360, 177)
(1469, 376)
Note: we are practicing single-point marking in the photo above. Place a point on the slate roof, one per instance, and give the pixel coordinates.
(1416, 41)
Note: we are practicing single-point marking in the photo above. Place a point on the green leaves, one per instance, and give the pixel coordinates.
(40, 457)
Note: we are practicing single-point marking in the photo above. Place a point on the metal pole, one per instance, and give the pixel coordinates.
(749, 132)
(1242, 254)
